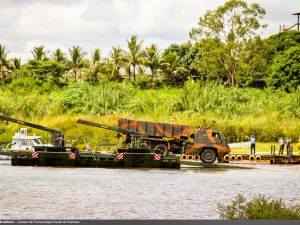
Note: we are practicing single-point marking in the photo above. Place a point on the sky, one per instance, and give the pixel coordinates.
(103, 24)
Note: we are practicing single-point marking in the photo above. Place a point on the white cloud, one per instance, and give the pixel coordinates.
(106, 23)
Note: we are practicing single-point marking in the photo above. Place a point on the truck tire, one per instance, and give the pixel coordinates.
(163, 149)
(208, 155)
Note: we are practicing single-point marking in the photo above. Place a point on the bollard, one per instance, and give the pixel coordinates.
(272, 149)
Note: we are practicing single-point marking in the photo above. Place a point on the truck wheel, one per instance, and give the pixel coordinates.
(208, 155)
(163, 149)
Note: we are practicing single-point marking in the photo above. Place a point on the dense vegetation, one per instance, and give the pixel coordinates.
(259, 208)
(212, 76)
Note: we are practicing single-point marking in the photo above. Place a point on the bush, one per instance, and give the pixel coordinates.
(103, 99)
(143, 82)
(27, 85)
(260, 207)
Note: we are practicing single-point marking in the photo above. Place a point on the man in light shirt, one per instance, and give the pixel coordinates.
(252, 144)
(281, 146)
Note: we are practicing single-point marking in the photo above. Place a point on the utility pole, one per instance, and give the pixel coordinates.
(298, 23)
(282, 28)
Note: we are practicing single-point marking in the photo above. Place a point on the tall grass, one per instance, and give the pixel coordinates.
(106, 98)
(239, 112)
(232, 102)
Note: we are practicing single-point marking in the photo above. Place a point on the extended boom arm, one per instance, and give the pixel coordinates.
(36, 126)
(120, 130)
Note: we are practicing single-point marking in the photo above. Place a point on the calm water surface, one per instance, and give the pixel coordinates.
(94, 193)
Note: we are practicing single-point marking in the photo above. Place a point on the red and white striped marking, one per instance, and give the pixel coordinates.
(157, 156)
(35, 155)
(120, 156)
(72, 156)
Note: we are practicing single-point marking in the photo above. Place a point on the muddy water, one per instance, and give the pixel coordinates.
(94, 193)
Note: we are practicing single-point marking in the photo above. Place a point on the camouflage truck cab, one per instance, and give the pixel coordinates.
(209, 145)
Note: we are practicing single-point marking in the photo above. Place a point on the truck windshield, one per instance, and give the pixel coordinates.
(217, 136)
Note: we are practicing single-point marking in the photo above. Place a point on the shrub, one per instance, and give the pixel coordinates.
(103, 99)
(260, 207)
(143, 82)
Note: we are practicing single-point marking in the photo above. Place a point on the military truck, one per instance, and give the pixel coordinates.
(172, 138)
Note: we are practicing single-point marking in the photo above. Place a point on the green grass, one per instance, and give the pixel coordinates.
(239, 112)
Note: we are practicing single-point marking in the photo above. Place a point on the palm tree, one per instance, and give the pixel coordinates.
(39, 53)
(59, 55)
(117, 60)
(134, 54)
(76, 61)
(96, 56)
(95, 68)
(4, 62)
(152, 58)
(170, 65)
(16, 63)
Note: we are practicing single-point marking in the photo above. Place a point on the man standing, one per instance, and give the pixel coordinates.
(281, 146)
(252, 144)
(288, 145)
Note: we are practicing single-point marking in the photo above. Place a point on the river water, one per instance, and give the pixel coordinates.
(99, 193)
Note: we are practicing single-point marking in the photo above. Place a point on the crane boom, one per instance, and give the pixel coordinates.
(107, 127)
(36, 126)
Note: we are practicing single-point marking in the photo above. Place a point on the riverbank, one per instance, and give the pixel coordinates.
(239, 112)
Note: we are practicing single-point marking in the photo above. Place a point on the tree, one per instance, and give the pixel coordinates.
(39, 53)
(76, 59)
(152, 58)
(95, 67)
(281, 42)
(96, 56)
(189, 56)
(4, 62)
(59, 56)
(233, 24)
(171, 69)
(208, 59)
(285, 70)
(117, 61)
(16, 63)
(134, 53)
(279, 51)
(44, 70)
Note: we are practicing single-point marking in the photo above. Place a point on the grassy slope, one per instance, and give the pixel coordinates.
(193, 106)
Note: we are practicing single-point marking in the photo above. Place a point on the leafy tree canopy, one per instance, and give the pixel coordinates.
(233, 24)
(285, 70)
